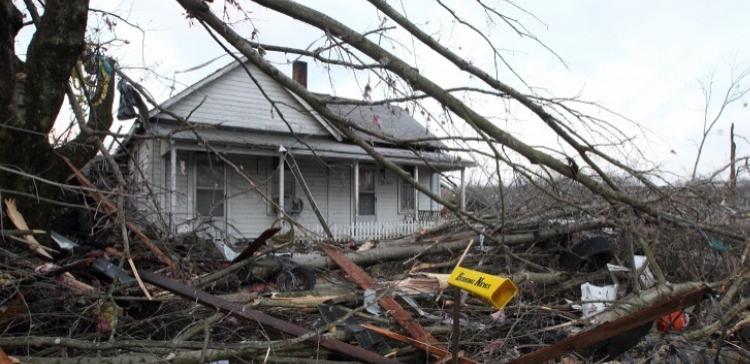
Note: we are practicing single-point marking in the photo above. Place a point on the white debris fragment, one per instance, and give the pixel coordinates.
(596, 298)
(371, 302)
(646, 277)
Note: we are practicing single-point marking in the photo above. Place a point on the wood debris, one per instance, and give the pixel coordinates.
(390, 302)
(20, 223)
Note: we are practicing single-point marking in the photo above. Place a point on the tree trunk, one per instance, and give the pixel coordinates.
(31, 95)
(732, 162)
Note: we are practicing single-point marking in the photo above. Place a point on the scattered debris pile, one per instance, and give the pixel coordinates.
(583, 287)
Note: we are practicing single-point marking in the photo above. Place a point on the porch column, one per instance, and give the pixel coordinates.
(416, 194)
(172, 184)
(282, 163)
(462, 197)
(433, 177)
(356, 193)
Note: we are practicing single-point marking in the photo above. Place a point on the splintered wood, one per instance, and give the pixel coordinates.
(364, 280)
(18, 220)
(432, 349)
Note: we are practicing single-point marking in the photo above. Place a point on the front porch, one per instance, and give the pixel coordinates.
(249, 189)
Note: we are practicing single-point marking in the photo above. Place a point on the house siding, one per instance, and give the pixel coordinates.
(139, 172)
(315, 175)
(234, 100)
(145, 172)
(251, 131)
(340, 196)
(158, 174)
(248, 212)
(386, 194)
(425, 179)
(183, 212)
(389, 196)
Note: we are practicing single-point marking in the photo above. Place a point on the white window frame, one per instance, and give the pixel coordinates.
(374, 169)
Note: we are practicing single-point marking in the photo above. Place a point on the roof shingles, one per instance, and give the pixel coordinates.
(387, 120)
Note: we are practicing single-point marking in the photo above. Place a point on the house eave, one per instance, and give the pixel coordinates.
(244, 143)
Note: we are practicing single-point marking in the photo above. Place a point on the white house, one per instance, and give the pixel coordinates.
(266, 163)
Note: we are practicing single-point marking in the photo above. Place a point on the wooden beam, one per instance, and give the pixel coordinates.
(282, 163)
(440, 352)
(172, 185)
(356, 192)
(462, 197)
(243, 312)
(388, 303)
(613, 328)
(433, 178)
(297, 173)
(416, 194)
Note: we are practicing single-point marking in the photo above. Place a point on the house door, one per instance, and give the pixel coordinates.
(367, 198)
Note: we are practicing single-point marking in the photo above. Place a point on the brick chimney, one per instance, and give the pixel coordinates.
(299, 72)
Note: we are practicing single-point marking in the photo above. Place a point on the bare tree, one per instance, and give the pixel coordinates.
(554, 113)
(580, 174)
(713, 112)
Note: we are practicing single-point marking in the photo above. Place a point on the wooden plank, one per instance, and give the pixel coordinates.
(438, 351)
(4, 358)
(613, 328)
(240, 311)
(388, 303)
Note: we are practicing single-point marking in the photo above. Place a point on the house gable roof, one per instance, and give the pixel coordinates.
(229, 98)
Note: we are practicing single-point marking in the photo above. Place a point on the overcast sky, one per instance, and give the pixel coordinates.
(643, 59)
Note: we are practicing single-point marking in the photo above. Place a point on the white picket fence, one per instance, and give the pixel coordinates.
(367, 230)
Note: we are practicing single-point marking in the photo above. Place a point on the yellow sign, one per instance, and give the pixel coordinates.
(498, 291)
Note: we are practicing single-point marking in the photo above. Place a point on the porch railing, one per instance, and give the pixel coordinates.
(369, 230)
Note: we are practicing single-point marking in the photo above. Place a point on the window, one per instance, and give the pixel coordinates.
(367, 190)
(406, 193)
(209, 189)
